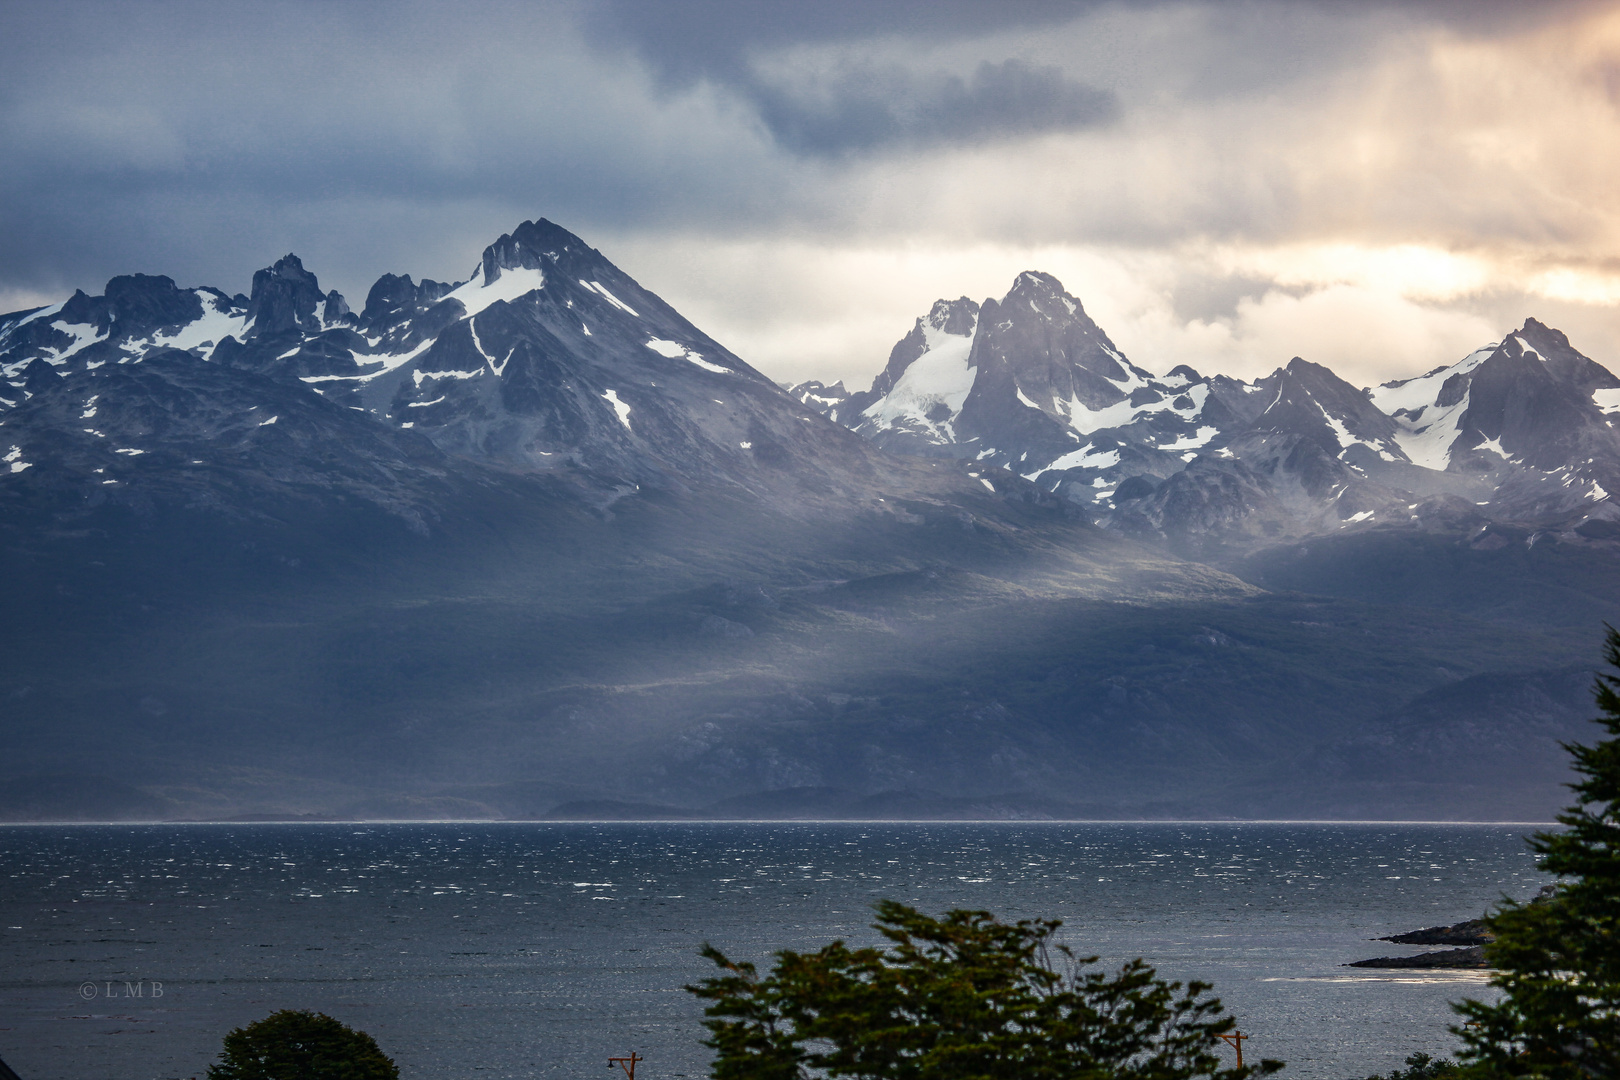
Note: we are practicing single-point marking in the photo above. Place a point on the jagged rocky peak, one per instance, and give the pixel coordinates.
(542, 255)
(508, 253)
(1032, 383)
(1560, 358)
(959, 316)
(530, 246)
(147, 301)
(1536, 401)
(284, 297)
(1044, 294)
(914, 401)
(133, 303)
(1528, 400)
(1312, 402)
(826, 400)
(395, 298)
(336, 309)
(1038, 346)
(946, 319)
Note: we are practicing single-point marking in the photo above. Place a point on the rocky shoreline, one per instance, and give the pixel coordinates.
(1471, 936)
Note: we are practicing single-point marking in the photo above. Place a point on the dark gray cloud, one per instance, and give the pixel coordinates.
(714, 39)
(867, 110)
(692, 40)
(862, 107)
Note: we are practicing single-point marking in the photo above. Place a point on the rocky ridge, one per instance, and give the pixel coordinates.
(547, 361)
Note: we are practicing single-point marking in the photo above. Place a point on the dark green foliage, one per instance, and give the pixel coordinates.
(1424, 1067)
(301, 1045)
(1558, 958)
(963, 996)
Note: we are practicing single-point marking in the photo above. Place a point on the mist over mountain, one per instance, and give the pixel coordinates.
(532, 544)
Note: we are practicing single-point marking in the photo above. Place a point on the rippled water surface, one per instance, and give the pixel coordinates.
(524, 950)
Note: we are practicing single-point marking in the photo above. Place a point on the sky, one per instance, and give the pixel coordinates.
(1379, 186)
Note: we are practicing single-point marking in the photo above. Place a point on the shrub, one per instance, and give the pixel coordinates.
(963, 996)
(301, 1045)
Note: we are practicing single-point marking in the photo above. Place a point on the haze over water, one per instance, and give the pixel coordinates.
(539, 950)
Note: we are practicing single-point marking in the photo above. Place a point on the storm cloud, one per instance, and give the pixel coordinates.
(866, 109)
(860, 106)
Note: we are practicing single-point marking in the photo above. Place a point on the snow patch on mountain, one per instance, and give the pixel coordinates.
(1196, 441)
(1088, 457)
(420, 377)
(621, 409)
(598, 287)
(1086, 421)
(674, 350)
(929, 394)
(475, 295)
(219, 321)
(83, 334)
(41, 313)
(1426, 428)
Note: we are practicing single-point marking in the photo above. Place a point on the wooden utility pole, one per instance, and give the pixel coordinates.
(1235, 1041)
(629, 1064)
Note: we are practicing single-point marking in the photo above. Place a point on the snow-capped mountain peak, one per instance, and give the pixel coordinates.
(928, 377)
(1313, 402)
(1428, 410)
(547, 358)
(1526, 425)
(1031, 383)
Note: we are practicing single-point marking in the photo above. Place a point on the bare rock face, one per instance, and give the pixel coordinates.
(284, 298)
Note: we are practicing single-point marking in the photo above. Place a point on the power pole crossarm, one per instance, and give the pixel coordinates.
(1235, 1041)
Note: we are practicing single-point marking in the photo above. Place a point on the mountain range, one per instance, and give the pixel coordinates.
(1520, 431)
(532, 544)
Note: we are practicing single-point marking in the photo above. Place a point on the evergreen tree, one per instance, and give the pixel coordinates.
(1424, 1067)
(1557, 959)
(963, 997)
(301, 1045)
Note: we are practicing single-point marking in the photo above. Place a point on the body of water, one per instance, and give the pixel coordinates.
(539, 950)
